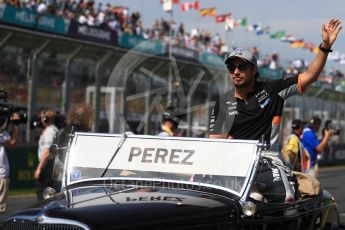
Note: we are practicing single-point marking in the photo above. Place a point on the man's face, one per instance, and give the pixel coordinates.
(242, 73)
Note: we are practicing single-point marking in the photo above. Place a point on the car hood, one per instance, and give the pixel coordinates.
(103, 207)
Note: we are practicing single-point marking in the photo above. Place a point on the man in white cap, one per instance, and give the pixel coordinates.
(254, 108)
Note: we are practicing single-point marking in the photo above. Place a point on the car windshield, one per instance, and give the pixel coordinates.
(217, 163)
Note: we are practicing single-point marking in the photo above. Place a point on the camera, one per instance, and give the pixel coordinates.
(36, 123)
(60, 122)
(329, 125)
(7, 110)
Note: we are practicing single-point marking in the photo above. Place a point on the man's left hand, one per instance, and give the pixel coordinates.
(330, 32)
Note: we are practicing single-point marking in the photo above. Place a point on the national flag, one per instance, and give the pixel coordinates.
(266, 29)
(288, 38)
(278, 34)
(297, 43)
(189, 6)
(254, 27)
(242, 22)
(259, 31)
(308, 45)
(173, 1)
(230, 23)
(208, 12)
(257, 28)
(315, 50)
(222, 18)
(167, 5)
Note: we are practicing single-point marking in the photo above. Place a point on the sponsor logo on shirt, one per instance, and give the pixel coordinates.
(263, 98)
(265, 103)
(232, 108)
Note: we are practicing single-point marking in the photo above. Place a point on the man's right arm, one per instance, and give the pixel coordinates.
(215, 122)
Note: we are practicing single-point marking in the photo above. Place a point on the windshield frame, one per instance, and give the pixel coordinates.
(243, 194)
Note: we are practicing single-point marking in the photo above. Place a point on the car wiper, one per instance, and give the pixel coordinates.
(123, 138)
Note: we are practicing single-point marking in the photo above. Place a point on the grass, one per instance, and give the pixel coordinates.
(21, 192)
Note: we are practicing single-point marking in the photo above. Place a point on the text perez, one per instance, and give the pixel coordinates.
(162, 155)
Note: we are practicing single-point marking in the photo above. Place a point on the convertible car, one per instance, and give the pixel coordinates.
(128, 181)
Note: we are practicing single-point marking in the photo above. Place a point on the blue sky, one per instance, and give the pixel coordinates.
(302, 18)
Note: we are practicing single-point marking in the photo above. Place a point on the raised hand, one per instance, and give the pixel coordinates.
(330, 32)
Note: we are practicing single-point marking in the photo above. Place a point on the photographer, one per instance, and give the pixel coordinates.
(49, 135)
(313, 144)
(7, 140)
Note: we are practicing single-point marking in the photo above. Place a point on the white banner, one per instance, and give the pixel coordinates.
(170, 155)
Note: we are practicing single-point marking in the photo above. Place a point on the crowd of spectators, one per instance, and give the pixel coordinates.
(119, 19)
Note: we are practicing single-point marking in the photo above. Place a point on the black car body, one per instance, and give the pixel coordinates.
(151, 194)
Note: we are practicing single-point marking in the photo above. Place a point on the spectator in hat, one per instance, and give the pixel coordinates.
(253, 109)
(313, 144)
(295, 155)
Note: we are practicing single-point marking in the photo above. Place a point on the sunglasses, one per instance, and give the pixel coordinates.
(241, 67)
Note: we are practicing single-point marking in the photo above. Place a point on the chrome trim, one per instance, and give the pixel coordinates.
(252, 206)
(154, 180)
(21, 217)
(42, 219)
(129, 135)
(254, 168)
(48, 220)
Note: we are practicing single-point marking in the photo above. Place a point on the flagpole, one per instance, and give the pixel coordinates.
(170, 33)
(169, 99)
